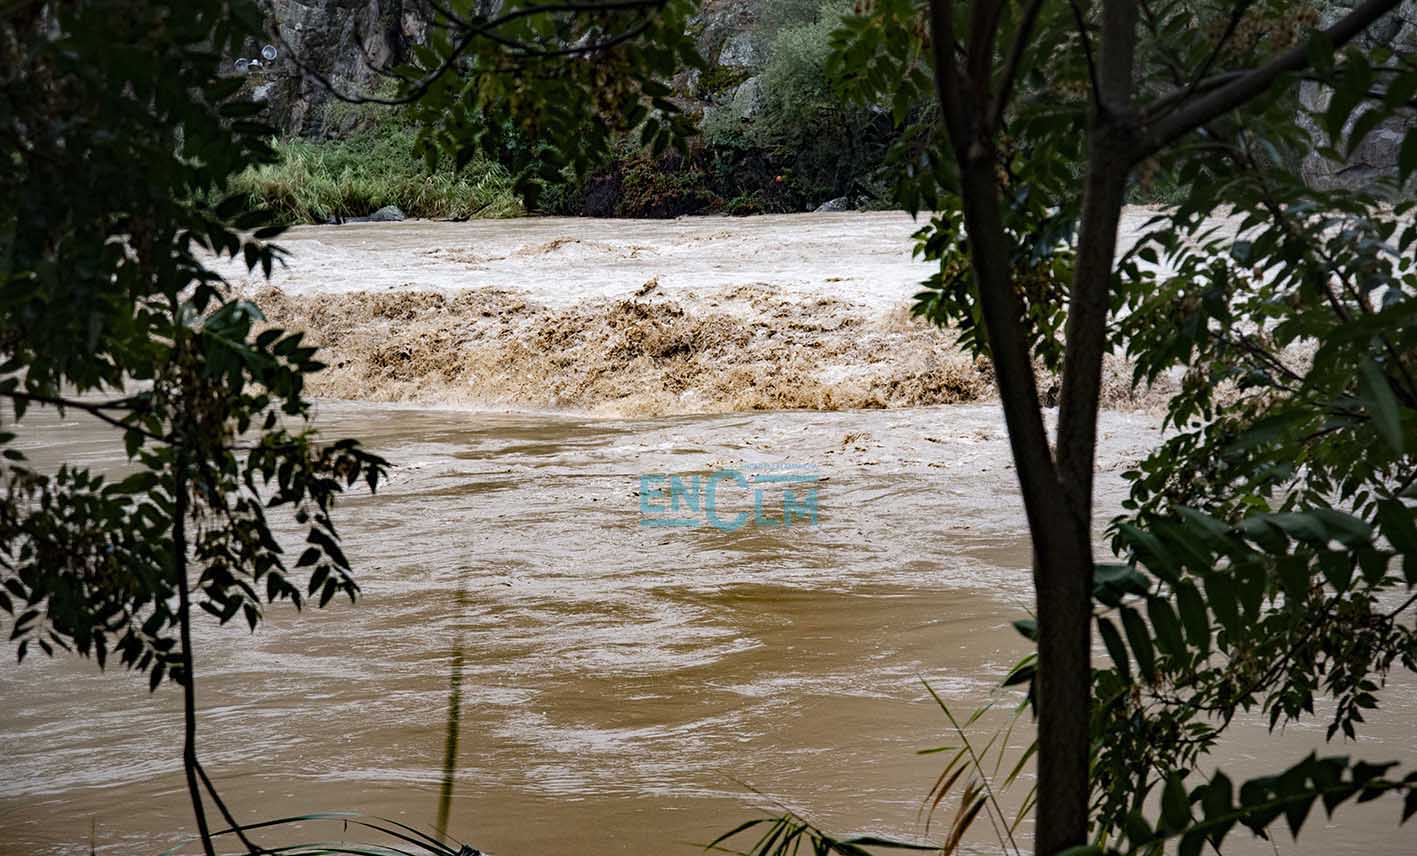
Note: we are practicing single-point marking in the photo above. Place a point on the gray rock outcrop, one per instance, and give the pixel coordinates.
(342, 41)
(1377, 155)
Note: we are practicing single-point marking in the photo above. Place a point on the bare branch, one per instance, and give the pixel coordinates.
(471, 31)
(942, 43)
(95, 409)
(1237, 14)
(983, 25)
(1163, 105)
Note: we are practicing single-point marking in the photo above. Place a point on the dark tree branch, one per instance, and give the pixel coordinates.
(1086, 50)
(1104, 192)
(1162, 105)
(1064, 581)
(521, 50)
(1222, 100)
(1016, 54)
(184, 614)
(97, 409)
(942, 43)
(983, 26)
(225, 812)
(1062, 550)
(1237, 14)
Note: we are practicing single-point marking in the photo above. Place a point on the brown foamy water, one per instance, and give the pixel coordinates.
(703, 315)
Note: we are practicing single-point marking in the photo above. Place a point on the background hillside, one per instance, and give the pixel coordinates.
(775, 138)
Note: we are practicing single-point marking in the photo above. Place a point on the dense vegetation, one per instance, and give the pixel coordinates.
(313, 181)
(796, 145)
(778, 138)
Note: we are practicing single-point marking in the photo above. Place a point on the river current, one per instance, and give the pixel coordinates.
(538, 666)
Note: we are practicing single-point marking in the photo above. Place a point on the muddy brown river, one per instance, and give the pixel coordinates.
(542, 668)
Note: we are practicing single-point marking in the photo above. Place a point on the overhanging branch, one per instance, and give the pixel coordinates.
(1220, 101)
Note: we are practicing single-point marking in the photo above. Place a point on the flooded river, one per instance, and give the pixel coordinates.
(536, 665)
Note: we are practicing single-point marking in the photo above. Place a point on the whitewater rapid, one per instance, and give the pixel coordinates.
(630, 318)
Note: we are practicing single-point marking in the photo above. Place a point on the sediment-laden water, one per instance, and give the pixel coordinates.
(625, 318)
(609, 687)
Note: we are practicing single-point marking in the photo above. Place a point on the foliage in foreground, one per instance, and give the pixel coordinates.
(410, 841)
(1268, 550)
(108, 310)
(120, 136)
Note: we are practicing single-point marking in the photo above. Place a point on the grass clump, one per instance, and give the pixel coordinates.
(316, 180)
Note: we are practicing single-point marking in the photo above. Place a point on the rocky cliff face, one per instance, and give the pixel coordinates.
(344, 40)
(1377, 155)
(339, 40)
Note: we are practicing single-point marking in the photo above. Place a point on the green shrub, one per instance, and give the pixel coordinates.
(316, 180)
(822, 148)
(778, 15)
(668, 186)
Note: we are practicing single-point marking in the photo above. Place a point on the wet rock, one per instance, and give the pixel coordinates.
(747, 99)
(720, 22)
(738, 51)
(1374, 158)
(387, 214)
(339, 39)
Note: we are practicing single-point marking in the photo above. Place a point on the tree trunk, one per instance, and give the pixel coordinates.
(1062, 548)
(1057, 493)
(1057, 496)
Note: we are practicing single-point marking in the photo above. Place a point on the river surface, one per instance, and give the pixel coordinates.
(534, 663)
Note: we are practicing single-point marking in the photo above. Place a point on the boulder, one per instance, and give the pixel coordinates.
(721, 21)
(338, 39)
(738, 51)
(746, 99)
(387, 214)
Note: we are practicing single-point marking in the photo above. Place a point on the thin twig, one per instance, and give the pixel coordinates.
(226, 813)
(95, 409)
(1087, 51)
(1200, 111)
(1015, 60)
(470, 33)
